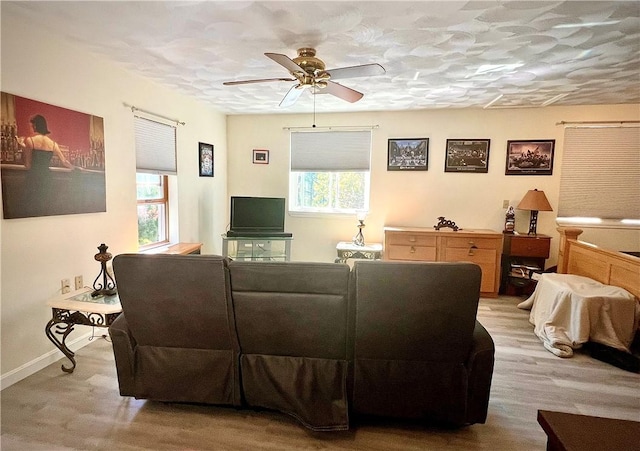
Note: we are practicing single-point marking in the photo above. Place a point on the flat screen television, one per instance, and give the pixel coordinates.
(257, 216)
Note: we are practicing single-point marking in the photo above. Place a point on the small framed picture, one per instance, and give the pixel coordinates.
(260, 156)
(467, 155)
(532, 157)
(205, 154)
(408, 154)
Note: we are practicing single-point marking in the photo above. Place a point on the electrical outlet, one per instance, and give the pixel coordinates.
(79, 282)
(66, 285)
(505, 203)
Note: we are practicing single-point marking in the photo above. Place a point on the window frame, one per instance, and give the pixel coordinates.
(346, 151)
(164, 200)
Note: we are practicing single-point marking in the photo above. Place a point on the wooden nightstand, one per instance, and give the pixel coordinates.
(520, 253)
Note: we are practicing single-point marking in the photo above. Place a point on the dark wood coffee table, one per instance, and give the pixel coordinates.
(566, 432)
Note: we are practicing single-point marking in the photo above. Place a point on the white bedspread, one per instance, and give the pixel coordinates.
(568, 310)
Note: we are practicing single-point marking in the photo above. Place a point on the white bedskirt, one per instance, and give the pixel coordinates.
(568, 310)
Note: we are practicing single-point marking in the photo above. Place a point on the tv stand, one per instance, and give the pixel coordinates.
(257, 248)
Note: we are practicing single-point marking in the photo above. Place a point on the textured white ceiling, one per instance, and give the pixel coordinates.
(437, 54)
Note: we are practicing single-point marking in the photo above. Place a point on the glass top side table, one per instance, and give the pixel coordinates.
(79, 308)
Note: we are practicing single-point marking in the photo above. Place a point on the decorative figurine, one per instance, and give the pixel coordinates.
(509, 220)
(442, 222)
(108, 286)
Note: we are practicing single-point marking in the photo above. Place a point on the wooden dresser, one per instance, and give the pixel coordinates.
(482, 247)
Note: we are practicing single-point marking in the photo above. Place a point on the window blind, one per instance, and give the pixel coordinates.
(155, 147)
(330, 151)
(600, 173)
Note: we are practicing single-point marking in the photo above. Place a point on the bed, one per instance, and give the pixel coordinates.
(594, 296)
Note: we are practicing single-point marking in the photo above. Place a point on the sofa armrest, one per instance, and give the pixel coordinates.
(123, 349)
(480, 367)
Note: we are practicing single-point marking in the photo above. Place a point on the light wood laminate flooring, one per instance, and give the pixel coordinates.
(51, 410)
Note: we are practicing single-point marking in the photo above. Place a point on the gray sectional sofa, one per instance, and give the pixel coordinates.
(318, 341)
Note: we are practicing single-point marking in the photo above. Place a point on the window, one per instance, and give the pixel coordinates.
(600, 175)
(330, 171)
(153, 209)
(155, 158)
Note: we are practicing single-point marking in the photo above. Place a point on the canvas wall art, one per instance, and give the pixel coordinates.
(52, 159)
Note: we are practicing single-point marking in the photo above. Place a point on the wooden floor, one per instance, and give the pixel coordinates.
(55, 411)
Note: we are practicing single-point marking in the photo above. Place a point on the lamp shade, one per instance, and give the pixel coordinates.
(534, 200)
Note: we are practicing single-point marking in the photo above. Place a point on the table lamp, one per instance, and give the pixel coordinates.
(358, 240)
(534, 201)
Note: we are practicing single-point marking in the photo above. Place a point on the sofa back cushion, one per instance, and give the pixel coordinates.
(415, 310)
(291, 309)
(179, 301)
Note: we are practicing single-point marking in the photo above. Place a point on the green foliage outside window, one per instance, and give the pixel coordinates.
(330, 191)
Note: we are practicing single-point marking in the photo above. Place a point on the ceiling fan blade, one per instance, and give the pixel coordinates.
(365, 70)
(292, 96)
(259, 80)
(348, 94)
(285, 61)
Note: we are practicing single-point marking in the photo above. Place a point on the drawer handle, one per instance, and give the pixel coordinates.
(412, 250)
(412, 239)
(471, 249)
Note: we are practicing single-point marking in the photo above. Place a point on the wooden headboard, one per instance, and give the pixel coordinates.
(605, 266)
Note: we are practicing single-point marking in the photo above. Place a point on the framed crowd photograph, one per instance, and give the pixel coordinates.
(531, 157)
(467, 155)
(205, 154)
(408, 154)
(260, 156)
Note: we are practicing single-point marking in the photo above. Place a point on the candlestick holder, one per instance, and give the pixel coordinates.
(108, 285)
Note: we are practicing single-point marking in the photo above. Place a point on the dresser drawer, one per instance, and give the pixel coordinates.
(524, 246)
(478, 256)
(485, 258)
(416, 253)
(410, 239)
(468, 241)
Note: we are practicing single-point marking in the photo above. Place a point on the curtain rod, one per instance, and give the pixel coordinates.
(134, 109)
(597, 122)
(331, 127)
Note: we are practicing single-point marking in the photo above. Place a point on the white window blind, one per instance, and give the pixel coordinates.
(601, 173)
(155, 147)
(330, 151)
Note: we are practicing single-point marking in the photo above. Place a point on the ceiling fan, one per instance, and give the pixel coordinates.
(309, 72)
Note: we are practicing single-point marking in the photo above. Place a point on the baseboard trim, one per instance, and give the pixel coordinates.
(35, 365)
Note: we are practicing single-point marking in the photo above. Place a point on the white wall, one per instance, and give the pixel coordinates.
(36, 253)
(473, 201)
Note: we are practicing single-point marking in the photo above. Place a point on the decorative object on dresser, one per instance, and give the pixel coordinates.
(467, 155)
(482, 247)
(443, 222)
(522, 255)
(509, 220)
(358, 240)
(408, 154)
(108, 285)
(534, 157)
(534, 201)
